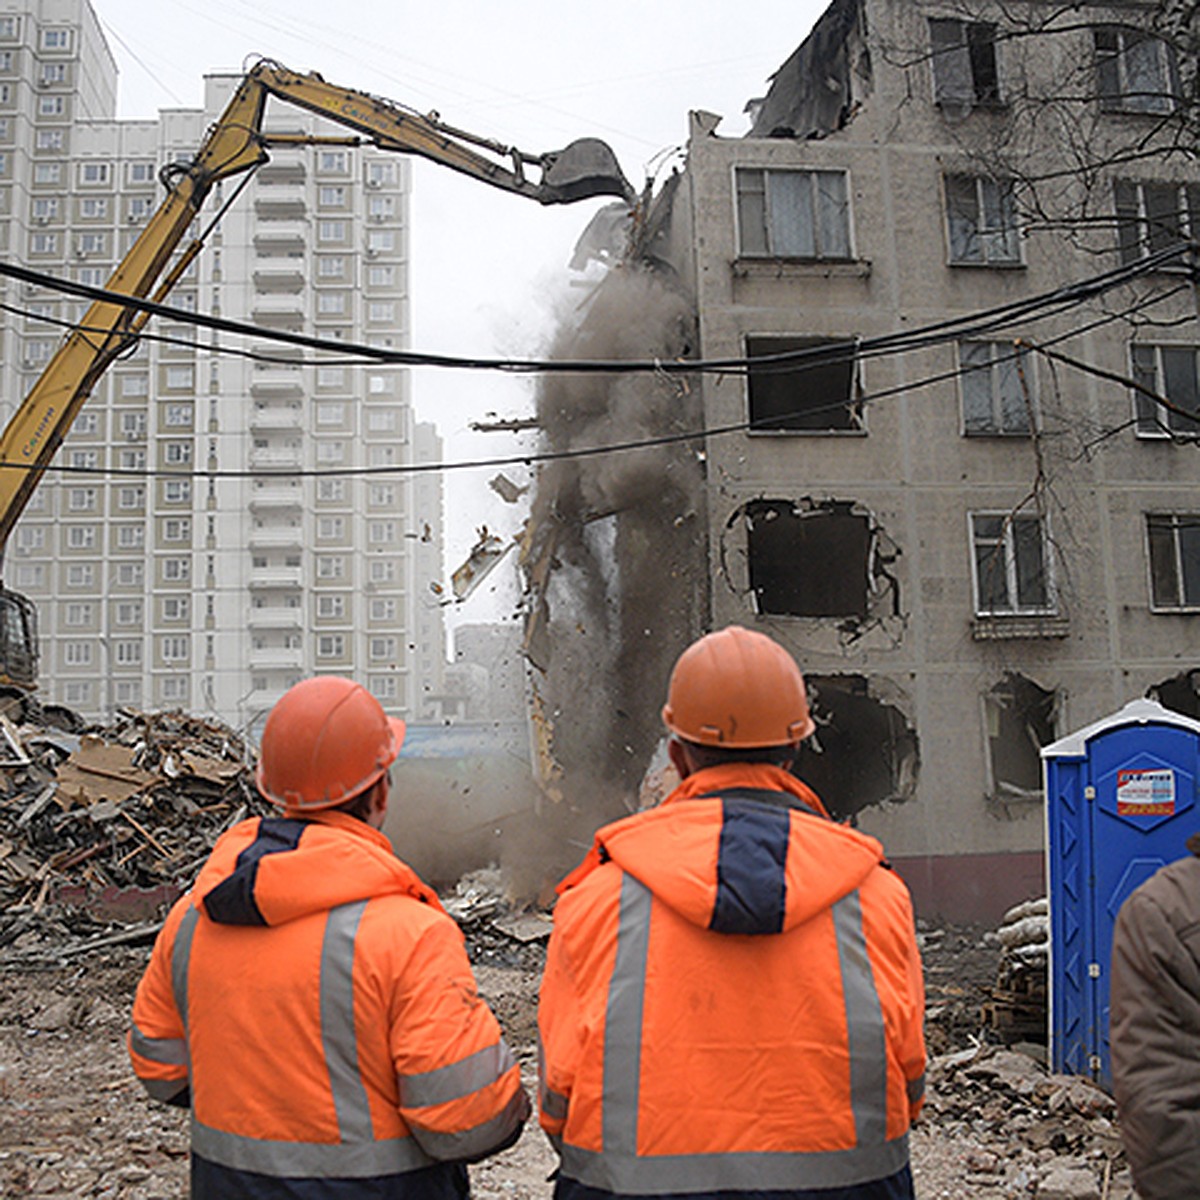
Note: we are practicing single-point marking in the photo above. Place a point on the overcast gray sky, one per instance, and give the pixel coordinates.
(488, 269)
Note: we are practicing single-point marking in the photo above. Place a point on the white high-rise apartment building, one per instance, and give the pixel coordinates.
(235, 515)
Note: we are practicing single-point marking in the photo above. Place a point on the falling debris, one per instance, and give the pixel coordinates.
(485, 556)
(504, 487)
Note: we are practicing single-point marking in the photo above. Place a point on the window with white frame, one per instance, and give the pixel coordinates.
(133, 460)
(383, 608)
(381, 532)
(793, 214)
(331, 231)
(131, 574)
(95, 174)
(52, 73)
(382, 207)
(982, 217)
(331, 490)
(127, 692)
(47, 173)
(94, 207)
(381, 241)
(176, 608)
(131, 496)
(85, 460)
(176, 570)
(31, 537)
(1173, 542)
(97, 277)
(56, 39)
(331, 566)
(1153, 216)
(331, 266)
(331, 303)
(139, 208)
(82, 499)
(174, 647)
(43, 243)
(139, 173)
(382, 495)
(45, 208)
(87, 424)
(181, 377)
(177, 529)
(331, 607)
(331, 645)
(49, 139)
(136, 385)
(8, 28)
(81, 575)
(331, 452)
(173, 689)
(31, 575)
(133, 424)
(379, 385)
(382, 649)
(331, 528)
(1012, 564)
(965, 71)
(379, 173)
(128, 612)
(997, 388)
(131, 537)
(332, 162)
(382, 570)
(381, 275)
(52, 106)
(177, 491)
(381, 456)
(331, 377)
(77, 693)
(177, 454)
(381, 312)
(80, 614)
(1172, 372)
(81, 537)
(384, 688)
(1135, 72)
(382, 420)
(128, 652)
(77, 654)
(331, 197)
(331, 413)
(179, 416)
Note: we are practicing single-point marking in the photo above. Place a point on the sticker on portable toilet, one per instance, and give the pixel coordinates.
(1146, 793)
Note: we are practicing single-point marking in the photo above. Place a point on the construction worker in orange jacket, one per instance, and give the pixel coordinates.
(310, 999)
(733, 1000)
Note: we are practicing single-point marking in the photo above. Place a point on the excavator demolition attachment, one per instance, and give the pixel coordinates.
(587, 167)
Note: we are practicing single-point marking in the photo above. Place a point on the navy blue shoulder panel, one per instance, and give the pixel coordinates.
(443, 1181)
(232, 901)
(751, 868)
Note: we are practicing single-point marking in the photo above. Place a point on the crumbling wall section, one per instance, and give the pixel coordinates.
(616, 556)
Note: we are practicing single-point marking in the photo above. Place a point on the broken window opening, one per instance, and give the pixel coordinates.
(818, 394)
(863, 753)
(1173, 541)
(808, 562)
(1180, 694)
(1020, 719)
(964, 62)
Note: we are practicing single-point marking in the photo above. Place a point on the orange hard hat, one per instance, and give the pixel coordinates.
(326, 741)
(737, 688)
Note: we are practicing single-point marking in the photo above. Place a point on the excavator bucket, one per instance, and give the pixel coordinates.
(586, 167)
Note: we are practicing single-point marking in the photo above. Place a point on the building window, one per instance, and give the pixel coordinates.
(964, 62)
(179, 416)
(47, 173)
(131, 574)
(128, 652)
(808, 562)
(383, 609)
(177, 453)
(982, 216)
(1135, 73)
(331, 452)
(382, 648)
(43, 243)
(330, 566)
(331, 303)
(381, 532)
(331, 645)
(384, 687)
(131, 497)
(381, 456)
(814, 391)
(177, 529)
(81, 499)
(1011, 562)
(81, 575)
(31, 537)
(331, 413)
(56, 39)
(381, 241)
(130, 537)
(331, 266)
(95, 174)
(382, 570)
(331, 607)
(793, 214)
(1019, 717)
(331, 528)
(8, 28)
(332, 162)
(81, 537)
(128, 612)
(176, 570)
(174, 647)
(381, 276)
(382, 495)
(49, 139)
(182, 377)
(382, 420)
(1172, 372)
(176, 608)
(331, 231)
(1155, 216)
(51, 106)
(997, 388)
(1174, 551)
(383, 312)
(85, 460)
(133, 424)
(139, 172)
(31, 575)
(333, 490)
(173, 689)
(177, 491)
(379, 173)
(80, 614)
(45, 208)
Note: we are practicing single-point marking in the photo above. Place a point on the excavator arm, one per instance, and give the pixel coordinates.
(236, 144)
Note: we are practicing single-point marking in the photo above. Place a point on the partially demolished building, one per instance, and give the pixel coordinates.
(959, 477)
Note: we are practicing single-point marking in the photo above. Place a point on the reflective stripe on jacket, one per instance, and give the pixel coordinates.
(732, 1001)
(317, 1002)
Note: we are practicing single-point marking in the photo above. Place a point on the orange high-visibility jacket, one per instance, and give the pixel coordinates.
(732, 1001)
(315, 1003)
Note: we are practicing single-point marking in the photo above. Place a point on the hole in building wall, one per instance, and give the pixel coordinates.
(1020, 719)
(1180, 694)
(818, 393)
(864, 751)
(816, 559)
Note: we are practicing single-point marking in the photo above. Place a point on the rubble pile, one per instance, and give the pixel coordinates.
(498, 932)
(1036, 1132)
(98, 820)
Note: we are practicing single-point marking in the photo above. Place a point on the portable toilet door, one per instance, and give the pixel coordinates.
(1120, 804)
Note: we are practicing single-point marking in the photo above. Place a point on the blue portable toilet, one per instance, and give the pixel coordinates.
(1120, 803)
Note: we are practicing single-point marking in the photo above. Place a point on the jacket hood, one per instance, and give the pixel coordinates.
(728, 852)
(271, 870)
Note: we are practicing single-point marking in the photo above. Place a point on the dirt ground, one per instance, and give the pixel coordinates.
(75, 1123)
